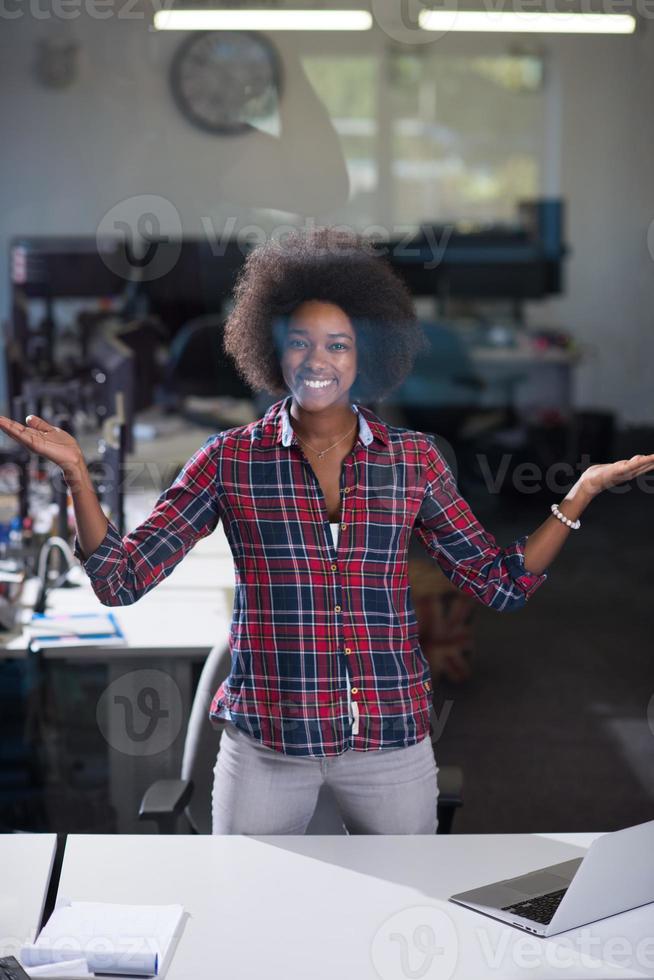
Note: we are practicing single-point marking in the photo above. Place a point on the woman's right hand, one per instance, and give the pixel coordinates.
(47, 440)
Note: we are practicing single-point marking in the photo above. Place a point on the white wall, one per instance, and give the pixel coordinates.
(607, 149)
(69, 156)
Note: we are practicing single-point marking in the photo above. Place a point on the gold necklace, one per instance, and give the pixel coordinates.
(322, 452)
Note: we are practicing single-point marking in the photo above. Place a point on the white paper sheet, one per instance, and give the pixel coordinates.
(70, 970)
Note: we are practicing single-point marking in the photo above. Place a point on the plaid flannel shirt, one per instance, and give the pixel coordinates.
(307, 616)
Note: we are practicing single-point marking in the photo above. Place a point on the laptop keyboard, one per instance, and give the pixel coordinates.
(539, 909)
(10, 969)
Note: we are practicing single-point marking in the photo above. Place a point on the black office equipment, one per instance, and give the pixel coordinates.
(113, 368)
(51, 268)
(62, 265)
(114, 373)
(58, 401)
(518, 261)
(52, 545)
(183, 280)
(196, 275)
(10, 969)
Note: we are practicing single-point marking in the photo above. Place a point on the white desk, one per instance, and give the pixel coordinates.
(547, 376)
(337, 908)
(26, 863)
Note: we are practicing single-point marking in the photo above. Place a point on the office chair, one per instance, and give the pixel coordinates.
(198, 367)
(166, 799)
(444, 394)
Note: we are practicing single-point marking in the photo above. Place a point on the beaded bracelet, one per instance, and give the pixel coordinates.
(575, 525)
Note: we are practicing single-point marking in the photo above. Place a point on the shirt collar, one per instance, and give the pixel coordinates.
(276, 426)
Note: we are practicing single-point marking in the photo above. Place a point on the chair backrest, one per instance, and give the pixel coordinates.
(203, 739)
(442, 375)
(197, 363)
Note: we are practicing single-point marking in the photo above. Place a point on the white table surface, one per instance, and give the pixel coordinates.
(364, 907)
(186, 613)
(25, 866)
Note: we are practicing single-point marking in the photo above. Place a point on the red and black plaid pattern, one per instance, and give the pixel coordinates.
(306, 614)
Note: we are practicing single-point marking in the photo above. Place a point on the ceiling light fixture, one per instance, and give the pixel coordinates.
(509, 21)
(263, 20)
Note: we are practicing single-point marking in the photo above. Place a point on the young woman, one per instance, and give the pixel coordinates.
(318, 499)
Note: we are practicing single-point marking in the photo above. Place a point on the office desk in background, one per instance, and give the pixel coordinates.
(169, 630)
(25, 866)
(546, 377)
(370, 907)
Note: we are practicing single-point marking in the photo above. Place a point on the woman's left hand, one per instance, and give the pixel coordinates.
(601, 476)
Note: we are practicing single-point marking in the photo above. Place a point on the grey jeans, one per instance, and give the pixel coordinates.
(258, 790)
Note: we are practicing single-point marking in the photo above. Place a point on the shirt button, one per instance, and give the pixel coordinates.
(347, 490)
(334, 567)
(337, 608)
(427, 686)
(343, 526)
(348, 649)
(355, 690)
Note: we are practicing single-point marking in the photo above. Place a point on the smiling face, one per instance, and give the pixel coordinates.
(319, 355)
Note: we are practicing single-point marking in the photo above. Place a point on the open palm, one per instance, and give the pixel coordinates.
(47, 440)
(601, 476)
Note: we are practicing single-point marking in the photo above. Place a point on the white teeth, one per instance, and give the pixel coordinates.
(317, 384)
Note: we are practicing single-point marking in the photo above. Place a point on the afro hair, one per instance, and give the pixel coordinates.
(332, 265)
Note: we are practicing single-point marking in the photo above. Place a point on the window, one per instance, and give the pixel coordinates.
(467, 135)
(348, 87)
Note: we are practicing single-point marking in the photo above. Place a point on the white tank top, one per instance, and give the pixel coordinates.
(334, 529)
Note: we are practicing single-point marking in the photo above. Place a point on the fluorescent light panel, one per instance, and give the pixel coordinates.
(506, 21)
(263, 20)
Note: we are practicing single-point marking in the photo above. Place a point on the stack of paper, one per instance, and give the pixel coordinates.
(123, 939)
(75, 629)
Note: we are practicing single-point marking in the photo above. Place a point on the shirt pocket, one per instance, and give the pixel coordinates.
(399, 712)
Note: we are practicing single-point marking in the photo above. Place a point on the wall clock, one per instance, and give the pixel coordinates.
(224, 81)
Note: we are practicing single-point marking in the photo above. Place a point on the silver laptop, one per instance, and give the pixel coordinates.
(616, 874)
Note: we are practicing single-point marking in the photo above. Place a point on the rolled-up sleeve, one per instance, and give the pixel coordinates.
(122, 569)
(467, 553)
